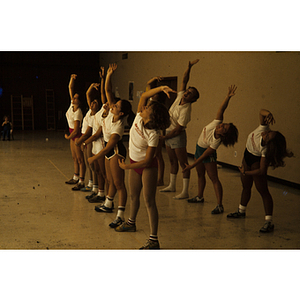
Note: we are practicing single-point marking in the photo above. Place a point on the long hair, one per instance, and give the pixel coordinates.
(160, 118)
(126, 109)
(231, 136)
(277, 151)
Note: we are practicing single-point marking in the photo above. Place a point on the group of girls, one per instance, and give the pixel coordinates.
(99, 145)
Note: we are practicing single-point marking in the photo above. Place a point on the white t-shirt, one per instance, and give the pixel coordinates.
(109, 127)
(179, 114)
(254, 141)
(87, 122)
(140, 139)
(98, 145)
(207, 136)
(73, 116)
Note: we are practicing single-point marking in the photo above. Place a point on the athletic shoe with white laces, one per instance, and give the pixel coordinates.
(125, 227)
(117, 222)
(196, 200)
(236, 215)
(268, 227)
(150, 245)
(219, 209)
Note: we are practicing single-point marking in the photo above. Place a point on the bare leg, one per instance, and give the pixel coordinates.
(149, 178)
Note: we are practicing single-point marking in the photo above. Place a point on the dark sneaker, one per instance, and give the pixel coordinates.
(125, 227)
(219, 209)
(96, 199)
(92, 195)
(236, 215)
(150, 245)
(117, 222)
(103, 208)
(268, 227)
(196, 200)
(72, 181)
(78, 187)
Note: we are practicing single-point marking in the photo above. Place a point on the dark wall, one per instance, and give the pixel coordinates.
(31, 73)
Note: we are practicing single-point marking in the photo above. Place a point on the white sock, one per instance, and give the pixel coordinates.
(95, 188)
(185, 189)
(172, 185)
(242, 209)
(101, 193)
(108, 202)
(90, 184)
(268, 218)
(75, 177)
(121, 212)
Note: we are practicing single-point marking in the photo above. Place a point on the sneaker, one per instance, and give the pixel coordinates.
(117, 222)
(125, 227)
(78, 186)
(268, 227)
(92, 195)
(87, 189)
(236, 215)
(72, 181)
(218, 210)
(196, 200)
(96, 199)
(150, 245)
(103, 208)
(97, 207)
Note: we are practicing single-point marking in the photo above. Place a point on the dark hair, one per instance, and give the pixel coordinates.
(160, 118)
(160, 97)
(276, 151)
(126, 109)
(197, 94)
(231, 136)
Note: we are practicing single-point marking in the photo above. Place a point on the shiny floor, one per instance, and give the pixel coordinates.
(39, 211)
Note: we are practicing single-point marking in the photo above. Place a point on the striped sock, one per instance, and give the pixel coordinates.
(131, 222)
(153, 238)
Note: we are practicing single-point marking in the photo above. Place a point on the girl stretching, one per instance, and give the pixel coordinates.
(264, 148)
(113, 129)
(144, 139)
(74, 117)
(211, 137)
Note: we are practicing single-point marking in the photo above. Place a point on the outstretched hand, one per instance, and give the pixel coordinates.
(269, 119)
(101, 72)
(73, 76)
(231, 90)
(191, 63)
(187, 168)
(168, 90)
(112, 68)
(122, 164)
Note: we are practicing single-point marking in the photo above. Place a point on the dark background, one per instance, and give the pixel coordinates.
(31, 73)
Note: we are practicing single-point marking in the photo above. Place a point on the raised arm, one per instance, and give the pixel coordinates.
(222, 108)
(186, 75)
(102, 89)
(152, 83)
(146, 95)
(90, 91)
(72, 85)
(266, 117)
(108, 85)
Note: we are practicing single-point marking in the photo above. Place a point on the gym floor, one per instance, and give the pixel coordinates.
(39, 211)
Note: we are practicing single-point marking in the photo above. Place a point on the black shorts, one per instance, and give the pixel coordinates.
(250, 159)
(119, 149)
